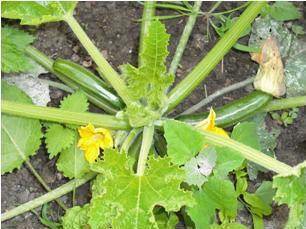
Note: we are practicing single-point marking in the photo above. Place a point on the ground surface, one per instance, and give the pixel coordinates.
(113, 27)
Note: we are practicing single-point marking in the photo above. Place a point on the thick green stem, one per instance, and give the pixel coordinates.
(62, 116)
(130, 139)
(110, 74)
(43, 183)
(56, 193)
(40, 58)
(248, 153)
(147, 16)
(199, 73)
(147, 140)
(57, 85)
(185, 37)
(280, 104)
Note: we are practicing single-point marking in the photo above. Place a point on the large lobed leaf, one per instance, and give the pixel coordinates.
(13, 44)
(291, 190)
(125, 200)
(20, 137)
(216, 194)
(147, 84)
(37, 12)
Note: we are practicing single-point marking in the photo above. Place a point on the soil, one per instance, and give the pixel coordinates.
(114, 29)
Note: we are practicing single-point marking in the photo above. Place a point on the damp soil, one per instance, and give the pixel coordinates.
(114, 29)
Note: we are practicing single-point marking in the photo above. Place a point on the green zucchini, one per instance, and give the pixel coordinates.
(233, 112)
(76, 76)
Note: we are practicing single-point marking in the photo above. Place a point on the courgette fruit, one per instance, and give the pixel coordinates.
(78, 77)
(233, 112)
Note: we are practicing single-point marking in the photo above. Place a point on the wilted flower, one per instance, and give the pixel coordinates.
(270, 75)
(92, 139)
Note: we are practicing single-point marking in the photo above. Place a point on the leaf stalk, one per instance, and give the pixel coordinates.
(147, 139)
(62, 116)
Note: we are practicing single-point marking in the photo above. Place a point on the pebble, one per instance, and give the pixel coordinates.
(87, 63)
(75, 57)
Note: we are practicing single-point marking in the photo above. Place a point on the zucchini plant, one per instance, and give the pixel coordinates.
(144, 166)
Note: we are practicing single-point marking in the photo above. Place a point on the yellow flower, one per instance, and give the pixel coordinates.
(208, 124)
(92, 139)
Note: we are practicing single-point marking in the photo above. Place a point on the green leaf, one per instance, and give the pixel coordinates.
(203, 213)
(75, 102)
(72, 161)
(298, 30)
(127, 200)
(199, 168)
(183, 142)
(291, 190)
(267, 140)
(216, 194)
(245, 133)
(44, 219)
(164, 220)
(227, 161)
(13, 44)
(258, 206)
(58, 138)
(147, 84)
(265, 192)
(37, 12)
(228, 226)
(284, 11)
(20, 136)
(75, 218)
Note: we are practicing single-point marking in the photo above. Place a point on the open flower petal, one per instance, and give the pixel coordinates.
(92, 139)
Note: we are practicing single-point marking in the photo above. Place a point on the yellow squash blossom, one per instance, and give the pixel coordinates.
(208, 124)
(92, 139)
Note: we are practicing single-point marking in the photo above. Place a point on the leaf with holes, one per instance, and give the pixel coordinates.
(37, 12)
(127, 201)
(291, 190)
(20, 136)
(200, 167)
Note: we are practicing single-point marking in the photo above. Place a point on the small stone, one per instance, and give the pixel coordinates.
(75, 57)
(105, 54)
(87, 63)
(75, 49)
(59, 176)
